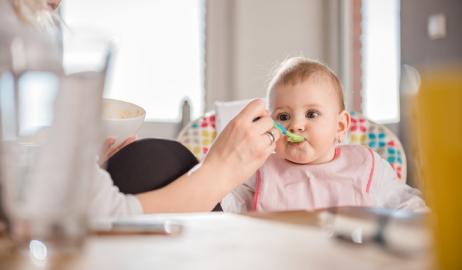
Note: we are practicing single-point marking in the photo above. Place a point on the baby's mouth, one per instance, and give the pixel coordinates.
(295, 143)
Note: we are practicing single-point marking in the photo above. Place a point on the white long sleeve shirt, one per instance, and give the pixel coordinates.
(106, 200)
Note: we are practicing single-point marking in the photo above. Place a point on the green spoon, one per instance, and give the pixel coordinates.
(295, 138)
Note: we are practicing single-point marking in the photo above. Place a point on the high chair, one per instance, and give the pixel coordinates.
(199, 134)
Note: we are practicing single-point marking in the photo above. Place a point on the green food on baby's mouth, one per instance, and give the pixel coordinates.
(294, 138)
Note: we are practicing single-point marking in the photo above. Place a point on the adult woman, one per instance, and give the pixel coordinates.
(240, 149)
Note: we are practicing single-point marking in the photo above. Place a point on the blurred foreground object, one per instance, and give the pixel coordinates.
(50, 120)
(438, 135)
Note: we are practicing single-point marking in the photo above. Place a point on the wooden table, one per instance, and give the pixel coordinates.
(287, 240)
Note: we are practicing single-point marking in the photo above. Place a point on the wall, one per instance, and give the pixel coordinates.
(247, 39)
(419, 51)
(267, 32)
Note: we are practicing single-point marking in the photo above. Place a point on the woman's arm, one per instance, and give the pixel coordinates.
(106, 201)
(198, 190)
(236, 154)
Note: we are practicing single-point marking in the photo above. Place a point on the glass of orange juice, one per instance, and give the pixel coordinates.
(438, 108)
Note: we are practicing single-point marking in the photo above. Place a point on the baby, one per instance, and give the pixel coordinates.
(306, 97)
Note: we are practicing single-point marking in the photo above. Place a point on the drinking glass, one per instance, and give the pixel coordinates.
(438, 134)
(50, 113)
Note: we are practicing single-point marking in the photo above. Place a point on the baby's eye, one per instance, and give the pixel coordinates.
(312, 114)
(283, 116)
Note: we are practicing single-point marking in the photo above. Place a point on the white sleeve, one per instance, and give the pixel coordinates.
(106, 201)
(240, 200)
(389, 192)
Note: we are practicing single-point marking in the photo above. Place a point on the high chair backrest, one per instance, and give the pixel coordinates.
(380, 139)
(199, 134)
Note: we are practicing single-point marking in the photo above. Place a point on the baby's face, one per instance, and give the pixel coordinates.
(311, 109)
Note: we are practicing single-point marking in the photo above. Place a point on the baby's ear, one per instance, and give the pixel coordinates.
(343, 124)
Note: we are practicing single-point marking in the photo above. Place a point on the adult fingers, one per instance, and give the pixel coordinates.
(126, 142)
(276, 134)
(267, 141)
(262, 125)
(109, 142)
(254, 110)
(106, 148)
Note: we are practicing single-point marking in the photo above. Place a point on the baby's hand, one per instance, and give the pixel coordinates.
(109, 149)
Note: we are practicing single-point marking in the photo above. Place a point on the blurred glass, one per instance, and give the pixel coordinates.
(50, 113)
(439, 127)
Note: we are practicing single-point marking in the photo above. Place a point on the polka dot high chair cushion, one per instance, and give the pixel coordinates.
(198, 136)
(380, 139)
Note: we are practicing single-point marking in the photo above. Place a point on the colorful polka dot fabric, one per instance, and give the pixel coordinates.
(380, 139)
(198, 136)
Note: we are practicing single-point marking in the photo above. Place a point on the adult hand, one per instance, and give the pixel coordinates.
(237, 153)
(109, 149)
(243, 146)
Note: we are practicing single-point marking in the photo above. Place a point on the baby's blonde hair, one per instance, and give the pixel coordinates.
(298, 69)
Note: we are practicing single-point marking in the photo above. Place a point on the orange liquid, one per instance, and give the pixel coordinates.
(439, 138)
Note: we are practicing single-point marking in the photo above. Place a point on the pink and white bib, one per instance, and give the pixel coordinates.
(344, 181)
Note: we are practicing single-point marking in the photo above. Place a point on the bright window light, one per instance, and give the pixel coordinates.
(381, 59)
(159, 56)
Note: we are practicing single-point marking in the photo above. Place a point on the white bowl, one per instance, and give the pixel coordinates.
(121, 119)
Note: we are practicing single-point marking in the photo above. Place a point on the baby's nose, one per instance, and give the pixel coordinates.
(296, 126)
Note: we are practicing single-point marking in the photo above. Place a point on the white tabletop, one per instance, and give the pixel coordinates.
(227, 241)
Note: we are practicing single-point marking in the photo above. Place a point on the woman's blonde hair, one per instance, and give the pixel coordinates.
(298, 69)
(35, 12)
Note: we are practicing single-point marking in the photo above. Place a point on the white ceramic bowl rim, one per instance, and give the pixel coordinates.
(141, 113)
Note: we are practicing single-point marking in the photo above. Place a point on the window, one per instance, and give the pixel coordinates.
(159, 55)
(380, 59)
